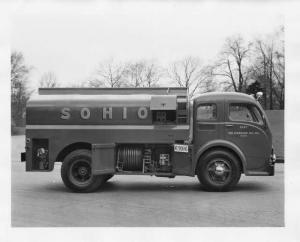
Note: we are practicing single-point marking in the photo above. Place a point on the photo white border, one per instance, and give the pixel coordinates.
(291, 231)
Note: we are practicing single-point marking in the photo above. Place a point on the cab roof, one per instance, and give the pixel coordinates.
(222, 96)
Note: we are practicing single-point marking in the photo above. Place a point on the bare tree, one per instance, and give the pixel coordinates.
(135, 73)
(94, 82)
(233, 63)
(262, 70)
(78, 84)
(153, 75)
(208, 82)
(109, 74)
(19, 90)
(143, 74)
(269, 69)
(48, 79)
(279, 74)
(188, 73)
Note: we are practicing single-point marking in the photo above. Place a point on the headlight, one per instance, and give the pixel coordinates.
(272, 156)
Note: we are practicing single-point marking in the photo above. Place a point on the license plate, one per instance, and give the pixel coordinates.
(181, 148)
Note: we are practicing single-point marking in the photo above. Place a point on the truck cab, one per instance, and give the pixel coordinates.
(231, 132)
(98, 133)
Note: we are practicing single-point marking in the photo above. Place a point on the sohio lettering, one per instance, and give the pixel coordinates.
(85, 113)
(107, 113)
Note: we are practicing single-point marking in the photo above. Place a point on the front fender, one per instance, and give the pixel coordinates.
(221, 144)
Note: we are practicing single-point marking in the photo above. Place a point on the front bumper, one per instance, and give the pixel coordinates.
(271, 165)
(272, 159)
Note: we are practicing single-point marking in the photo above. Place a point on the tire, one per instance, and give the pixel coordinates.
(76, 172)
(219, 170)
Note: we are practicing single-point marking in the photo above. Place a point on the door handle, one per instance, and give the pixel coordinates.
(229, 125)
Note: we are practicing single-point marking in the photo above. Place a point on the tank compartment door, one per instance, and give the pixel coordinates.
(182, 159)
(163, 102)
(163, 109)
(103, 159)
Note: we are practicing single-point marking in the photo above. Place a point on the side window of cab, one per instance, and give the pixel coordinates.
(207, 112)
(245, 113)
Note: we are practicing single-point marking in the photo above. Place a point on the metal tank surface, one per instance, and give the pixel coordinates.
(100, 132)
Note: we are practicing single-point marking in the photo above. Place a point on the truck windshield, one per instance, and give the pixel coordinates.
(245, 112)
(257, 115)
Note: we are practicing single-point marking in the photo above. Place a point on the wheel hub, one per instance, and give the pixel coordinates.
(219, 169)
(82, 171)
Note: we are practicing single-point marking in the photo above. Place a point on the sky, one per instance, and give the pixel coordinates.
(71, 38)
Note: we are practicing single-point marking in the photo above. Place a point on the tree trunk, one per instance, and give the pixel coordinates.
(265, 84)
(282, 99)
(271, 85)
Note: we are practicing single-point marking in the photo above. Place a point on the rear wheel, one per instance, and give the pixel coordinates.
(219, 170)
(76, 172)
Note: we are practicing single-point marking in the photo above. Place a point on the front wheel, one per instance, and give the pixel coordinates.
(76, 172)
(219, 170)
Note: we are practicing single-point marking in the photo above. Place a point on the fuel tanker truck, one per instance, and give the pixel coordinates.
(96, 133)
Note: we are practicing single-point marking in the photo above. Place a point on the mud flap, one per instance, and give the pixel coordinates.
(182, 159)
(103, 159)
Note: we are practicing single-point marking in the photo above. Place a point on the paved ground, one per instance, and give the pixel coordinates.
(40, 199)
